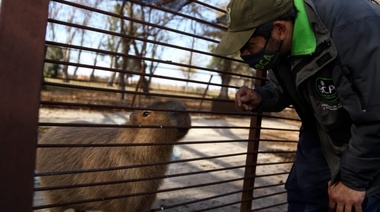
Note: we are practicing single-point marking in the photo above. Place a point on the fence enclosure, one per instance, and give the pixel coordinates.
(100, 60)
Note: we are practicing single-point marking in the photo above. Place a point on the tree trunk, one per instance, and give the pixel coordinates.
(226, 78)
(66, 58)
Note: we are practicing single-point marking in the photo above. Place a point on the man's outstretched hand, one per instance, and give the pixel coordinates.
(247, 99)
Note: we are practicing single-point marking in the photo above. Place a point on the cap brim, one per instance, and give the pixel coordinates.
(232, 42)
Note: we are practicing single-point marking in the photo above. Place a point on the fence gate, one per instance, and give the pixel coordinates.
(64, 61)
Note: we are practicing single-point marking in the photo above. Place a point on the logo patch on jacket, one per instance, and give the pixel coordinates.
(326, 89)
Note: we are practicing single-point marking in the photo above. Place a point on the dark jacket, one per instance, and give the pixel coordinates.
(337, 87)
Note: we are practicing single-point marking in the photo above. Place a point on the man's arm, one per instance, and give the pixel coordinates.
(267, 98)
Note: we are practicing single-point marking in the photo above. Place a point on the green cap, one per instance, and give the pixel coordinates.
(244, 16)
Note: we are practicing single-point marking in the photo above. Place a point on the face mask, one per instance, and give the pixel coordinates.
(262, 60)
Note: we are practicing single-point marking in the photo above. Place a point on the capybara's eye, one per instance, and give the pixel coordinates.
(146, 113)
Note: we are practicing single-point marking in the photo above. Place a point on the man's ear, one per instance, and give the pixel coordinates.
(281, 29)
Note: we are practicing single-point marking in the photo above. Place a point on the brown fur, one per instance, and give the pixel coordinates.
(66, 159)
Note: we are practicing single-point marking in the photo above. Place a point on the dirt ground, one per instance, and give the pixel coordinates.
(190, 192)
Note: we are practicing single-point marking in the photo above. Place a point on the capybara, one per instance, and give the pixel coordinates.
(170, 113)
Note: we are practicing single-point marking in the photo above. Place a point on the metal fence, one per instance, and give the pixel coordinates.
(98, 61)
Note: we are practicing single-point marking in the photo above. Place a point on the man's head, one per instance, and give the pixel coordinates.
(244, 19)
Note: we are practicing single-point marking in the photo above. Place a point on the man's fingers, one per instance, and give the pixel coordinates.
(238, 98)
(332, 205)
(358, 208)
(248, 107)
(237, 102)
(340, 207)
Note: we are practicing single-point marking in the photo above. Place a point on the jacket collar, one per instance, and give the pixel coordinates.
(304, 40)
(322, 35)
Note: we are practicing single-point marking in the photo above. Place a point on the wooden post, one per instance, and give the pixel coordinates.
(252, 154)
(22, 38)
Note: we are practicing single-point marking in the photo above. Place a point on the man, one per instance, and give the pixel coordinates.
(323, 57)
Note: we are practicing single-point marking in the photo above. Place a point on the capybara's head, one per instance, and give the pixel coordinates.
(169, 113)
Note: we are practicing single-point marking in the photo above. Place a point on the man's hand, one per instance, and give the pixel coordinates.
(344, 199)
(247, 99)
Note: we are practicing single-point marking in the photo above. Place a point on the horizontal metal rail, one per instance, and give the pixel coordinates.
(168, 62)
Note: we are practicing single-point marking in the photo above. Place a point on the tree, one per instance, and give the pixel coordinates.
(51, 70)
(226, 66)
(139, 40)
(68, 34)
(87, 16)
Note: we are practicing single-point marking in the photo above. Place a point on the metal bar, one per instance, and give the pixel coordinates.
(205, 92)
(252, 154)
(168, 62)
(218, 206)
(269, 195)
(145, 165)
(22, 37)
(100, 106)
(130, 72)
(272, 206)
(136, 194)
(134, 166)
(197, 201)
(157, 126)
(146, 23)
(210, 6)
(179, 14)
(136, 180)
(141, 144)
(113, 107)
(107, 32)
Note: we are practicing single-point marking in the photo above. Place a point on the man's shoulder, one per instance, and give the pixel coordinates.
(344, 12)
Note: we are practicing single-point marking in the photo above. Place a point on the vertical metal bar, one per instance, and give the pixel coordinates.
(22, 37)
(252, 154)
(204, 93)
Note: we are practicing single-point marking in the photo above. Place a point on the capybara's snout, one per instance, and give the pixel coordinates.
(178, 111)
(184, 122)
(169, 113)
